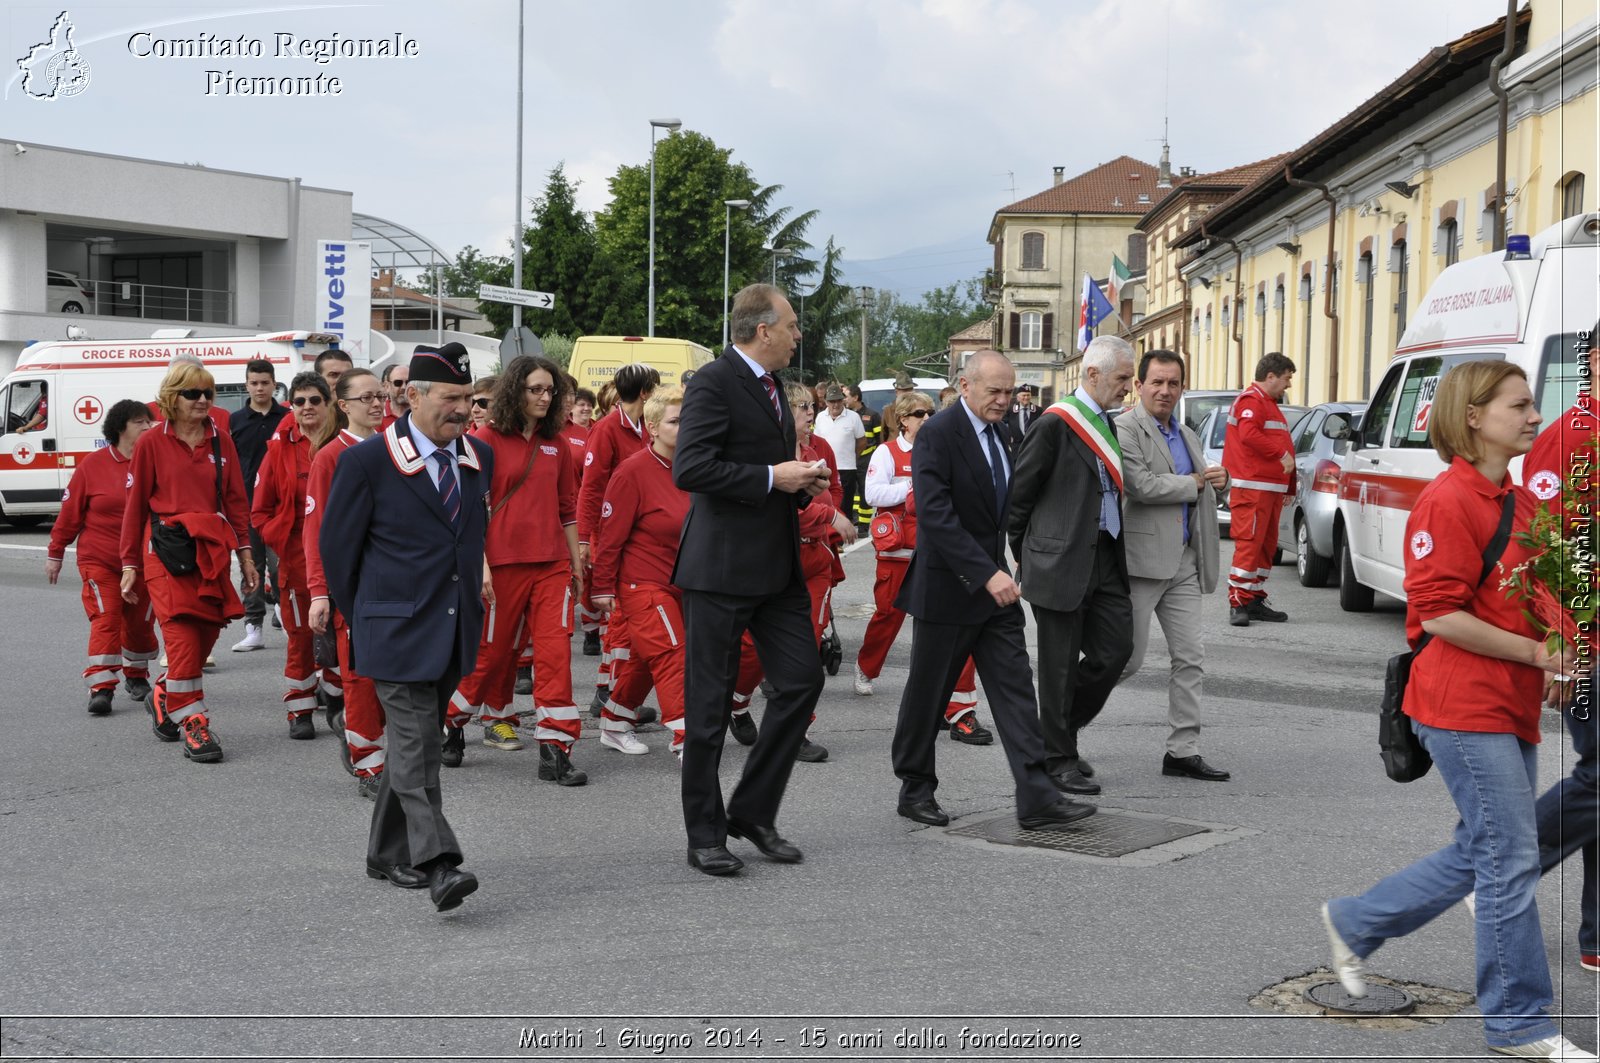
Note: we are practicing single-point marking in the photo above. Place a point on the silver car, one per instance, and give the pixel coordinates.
(1213, 432)
(1307, 519)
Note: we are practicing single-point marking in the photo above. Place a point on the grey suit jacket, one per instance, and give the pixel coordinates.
(1152, 511)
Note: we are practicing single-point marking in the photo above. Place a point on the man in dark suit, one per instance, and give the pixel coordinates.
(402, 544)
(1023, 416)
(1066, 532)
(739, 567)
(964, 602)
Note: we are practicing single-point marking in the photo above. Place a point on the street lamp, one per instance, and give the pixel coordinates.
(777, 253)
(671, 125)
(866, 300)
(727, 224)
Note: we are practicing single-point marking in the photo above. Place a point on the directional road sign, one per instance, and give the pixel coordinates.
(494, 293)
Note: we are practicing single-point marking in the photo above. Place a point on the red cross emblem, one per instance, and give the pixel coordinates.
(22, 454)
(87, 411)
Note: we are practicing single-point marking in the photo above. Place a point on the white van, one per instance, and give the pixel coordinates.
(55, 400)
(1527, 308)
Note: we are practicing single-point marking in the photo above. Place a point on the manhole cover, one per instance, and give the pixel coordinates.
(1107, 834)
(1381, 999)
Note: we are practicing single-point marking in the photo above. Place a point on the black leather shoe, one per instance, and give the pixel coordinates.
(138, 689)
(743, 728)
(1260, 610)
(449, 886)
(591, 643)
(301, 727)
(1193, 767)
(407, 878)
(927, 812)
(1062, 814)
(715, 860)
(555, 766)
(1085, 768)
(811, 752)
(766, 839)
(1238, 616)
(1072, 781)
(455, 747)
(969, 730)
(100, 703)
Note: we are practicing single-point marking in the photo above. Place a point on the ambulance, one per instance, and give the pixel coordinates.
(1534, 305)
(596, 359)
(56, 398)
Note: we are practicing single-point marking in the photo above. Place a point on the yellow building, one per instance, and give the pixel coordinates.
(1325, 256)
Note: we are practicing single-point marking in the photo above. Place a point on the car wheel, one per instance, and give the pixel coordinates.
(1353, 596)
(72, 308)
(1314, 569)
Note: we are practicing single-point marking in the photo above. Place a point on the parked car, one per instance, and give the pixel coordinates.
(1212, 432)
(66, 294)
(1308, 514)
(1195, 406)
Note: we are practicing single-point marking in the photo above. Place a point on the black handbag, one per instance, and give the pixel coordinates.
(172, 544)
(1404, 758)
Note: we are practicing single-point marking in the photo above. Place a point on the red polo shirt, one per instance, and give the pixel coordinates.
(528, 529)
(641, 523)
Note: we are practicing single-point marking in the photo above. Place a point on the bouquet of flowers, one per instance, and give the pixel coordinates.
(1558, 582)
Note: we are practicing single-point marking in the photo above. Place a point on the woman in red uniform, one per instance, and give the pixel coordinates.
(179, 471)
(1474, 698)
(279, 515)
(636, 547)
(358, 410)
(122, 636)
(888, 487)
(532, 552)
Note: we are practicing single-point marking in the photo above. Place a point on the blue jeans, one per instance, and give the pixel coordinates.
(1569, 814)
(1495, 851)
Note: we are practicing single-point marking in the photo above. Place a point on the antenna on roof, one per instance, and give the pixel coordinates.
(1012, 174)
(1164, 171)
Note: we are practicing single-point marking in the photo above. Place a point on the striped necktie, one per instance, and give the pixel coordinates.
(449, 490)
(772, 393)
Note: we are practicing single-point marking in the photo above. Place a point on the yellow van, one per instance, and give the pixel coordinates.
(596, 359)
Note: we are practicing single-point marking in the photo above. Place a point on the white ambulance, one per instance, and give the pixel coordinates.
(56, 398)
(1535, 305)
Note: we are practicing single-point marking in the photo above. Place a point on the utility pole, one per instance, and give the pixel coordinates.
(866, 296)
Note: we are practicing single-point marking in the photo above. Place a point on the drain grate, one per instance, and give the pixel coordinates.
(1107, 834)
(1381, 999)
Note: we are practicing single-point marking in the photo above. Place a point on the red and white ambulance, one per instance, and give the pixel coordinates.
(55, 400)
(1535, 305)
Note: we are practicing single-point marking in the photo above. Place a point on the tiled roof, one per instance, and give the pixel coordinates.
(979, 330)
(1237, 176)
(1110, 188)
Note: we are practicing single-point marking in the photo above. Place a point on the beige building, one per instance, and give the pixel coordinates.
(1043, 246)
(1325, 255)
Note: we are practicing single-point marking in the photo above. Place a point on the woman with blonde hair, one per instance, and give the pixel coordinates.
(1477, 681)
(185, 515)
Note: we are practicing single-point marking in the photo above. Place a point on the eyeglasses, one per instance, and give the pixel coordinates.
(802, 405)
(481, 404)
(301, 400)
(539, 389)
(919, 413)
(196, 394)
(366, 398)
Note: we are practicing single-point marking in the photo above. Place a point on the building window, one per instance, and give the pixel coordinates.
(1572, 195)
(1208, 321)
(1402, 288)
(1448, 242)
(1033, 251)
(1278, 299)
(1364, 276)
(1032, 330)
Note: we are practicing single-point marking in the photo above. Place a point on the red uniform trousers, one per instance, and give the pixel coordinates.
(537, 598)
(363, 713)
(653, 616)
(122, 637)
(885, 625)
(300, 670)
(1254, 527)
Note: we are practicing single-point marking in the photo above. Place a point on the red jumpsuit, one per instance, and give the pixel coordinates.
(1252, 451)
(888, 488)
(363, 713)
(577, 437)
(171, 480)
(530, 564)
(611, 440)
(122, 637)
(279, 513)
(637, 544)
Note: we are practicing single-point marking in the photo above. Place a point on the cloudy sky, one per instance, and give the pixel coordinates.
(906, 123)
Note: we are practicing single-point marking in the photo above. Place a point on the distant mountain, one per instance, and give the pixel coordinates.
(920, 269)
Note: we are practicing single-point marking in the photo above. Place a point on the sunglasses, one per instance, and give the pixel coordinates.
(398, 381)
(196, 394)
(481, 404)
(919, 413)
(302, 400)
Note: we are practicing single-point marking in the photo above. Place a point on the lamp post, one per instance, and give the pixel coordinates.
(727, 225)
(866, 296)
(777, 253)
(671, 125)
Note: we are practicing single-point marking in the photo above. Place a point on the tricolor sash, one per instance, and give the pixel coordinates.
(1095, 433)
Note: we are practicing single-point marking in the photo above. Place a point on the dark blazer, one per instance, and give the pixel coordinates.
(1014, 426)
(406, 580)
(960, 537)
(740, 537)
(1055, 514)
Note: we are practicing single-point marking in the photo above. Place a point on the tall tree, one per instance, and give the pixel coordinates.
(823, 312)
(563, 257)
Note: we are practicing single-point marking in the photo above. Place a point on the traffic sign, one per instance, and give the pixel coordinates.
(494, 293)
(519, 341)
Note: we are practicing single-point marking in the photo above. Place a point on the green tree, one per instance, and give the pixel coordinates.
(562, 256)
(823, 312)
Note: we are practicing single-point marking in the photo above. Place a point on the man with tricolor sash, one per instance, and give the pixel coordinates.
(1258, 453)
(1066, 531)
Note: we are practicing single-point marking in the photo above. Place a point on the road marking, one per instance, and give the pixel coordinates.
(37, 549)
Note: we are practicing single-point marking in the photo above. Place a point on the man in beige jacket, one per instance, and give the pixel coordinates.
(1170, 531)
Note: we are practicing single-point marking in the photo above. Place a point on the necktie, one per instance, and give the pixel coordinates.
(772, 393)
(449, 490)
(997, 466)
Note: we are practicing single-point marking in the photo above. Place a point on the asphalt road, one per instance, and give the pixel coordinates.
(160, 909)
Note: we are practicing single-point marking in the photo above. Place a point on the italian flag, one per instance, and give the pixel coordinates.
(1117, 279)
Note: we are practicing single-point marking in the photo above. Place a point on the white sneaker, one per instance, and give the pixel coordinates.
(1554, 1048)
(1346, 964)
(623, 742)
(863, 685)
(251, 640)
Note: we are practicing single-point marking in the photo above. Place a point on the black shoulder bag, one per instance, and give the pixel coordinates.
(172, 544)
(1404, 758)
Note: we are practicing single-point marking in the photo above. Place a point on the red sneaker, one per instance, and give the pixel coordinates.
(199, 744)
(1590, 961)
(156, 706)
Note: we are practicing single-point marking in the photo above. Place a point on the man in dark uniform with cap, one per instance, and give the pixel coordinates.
(402, 545)
(1023, 416)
